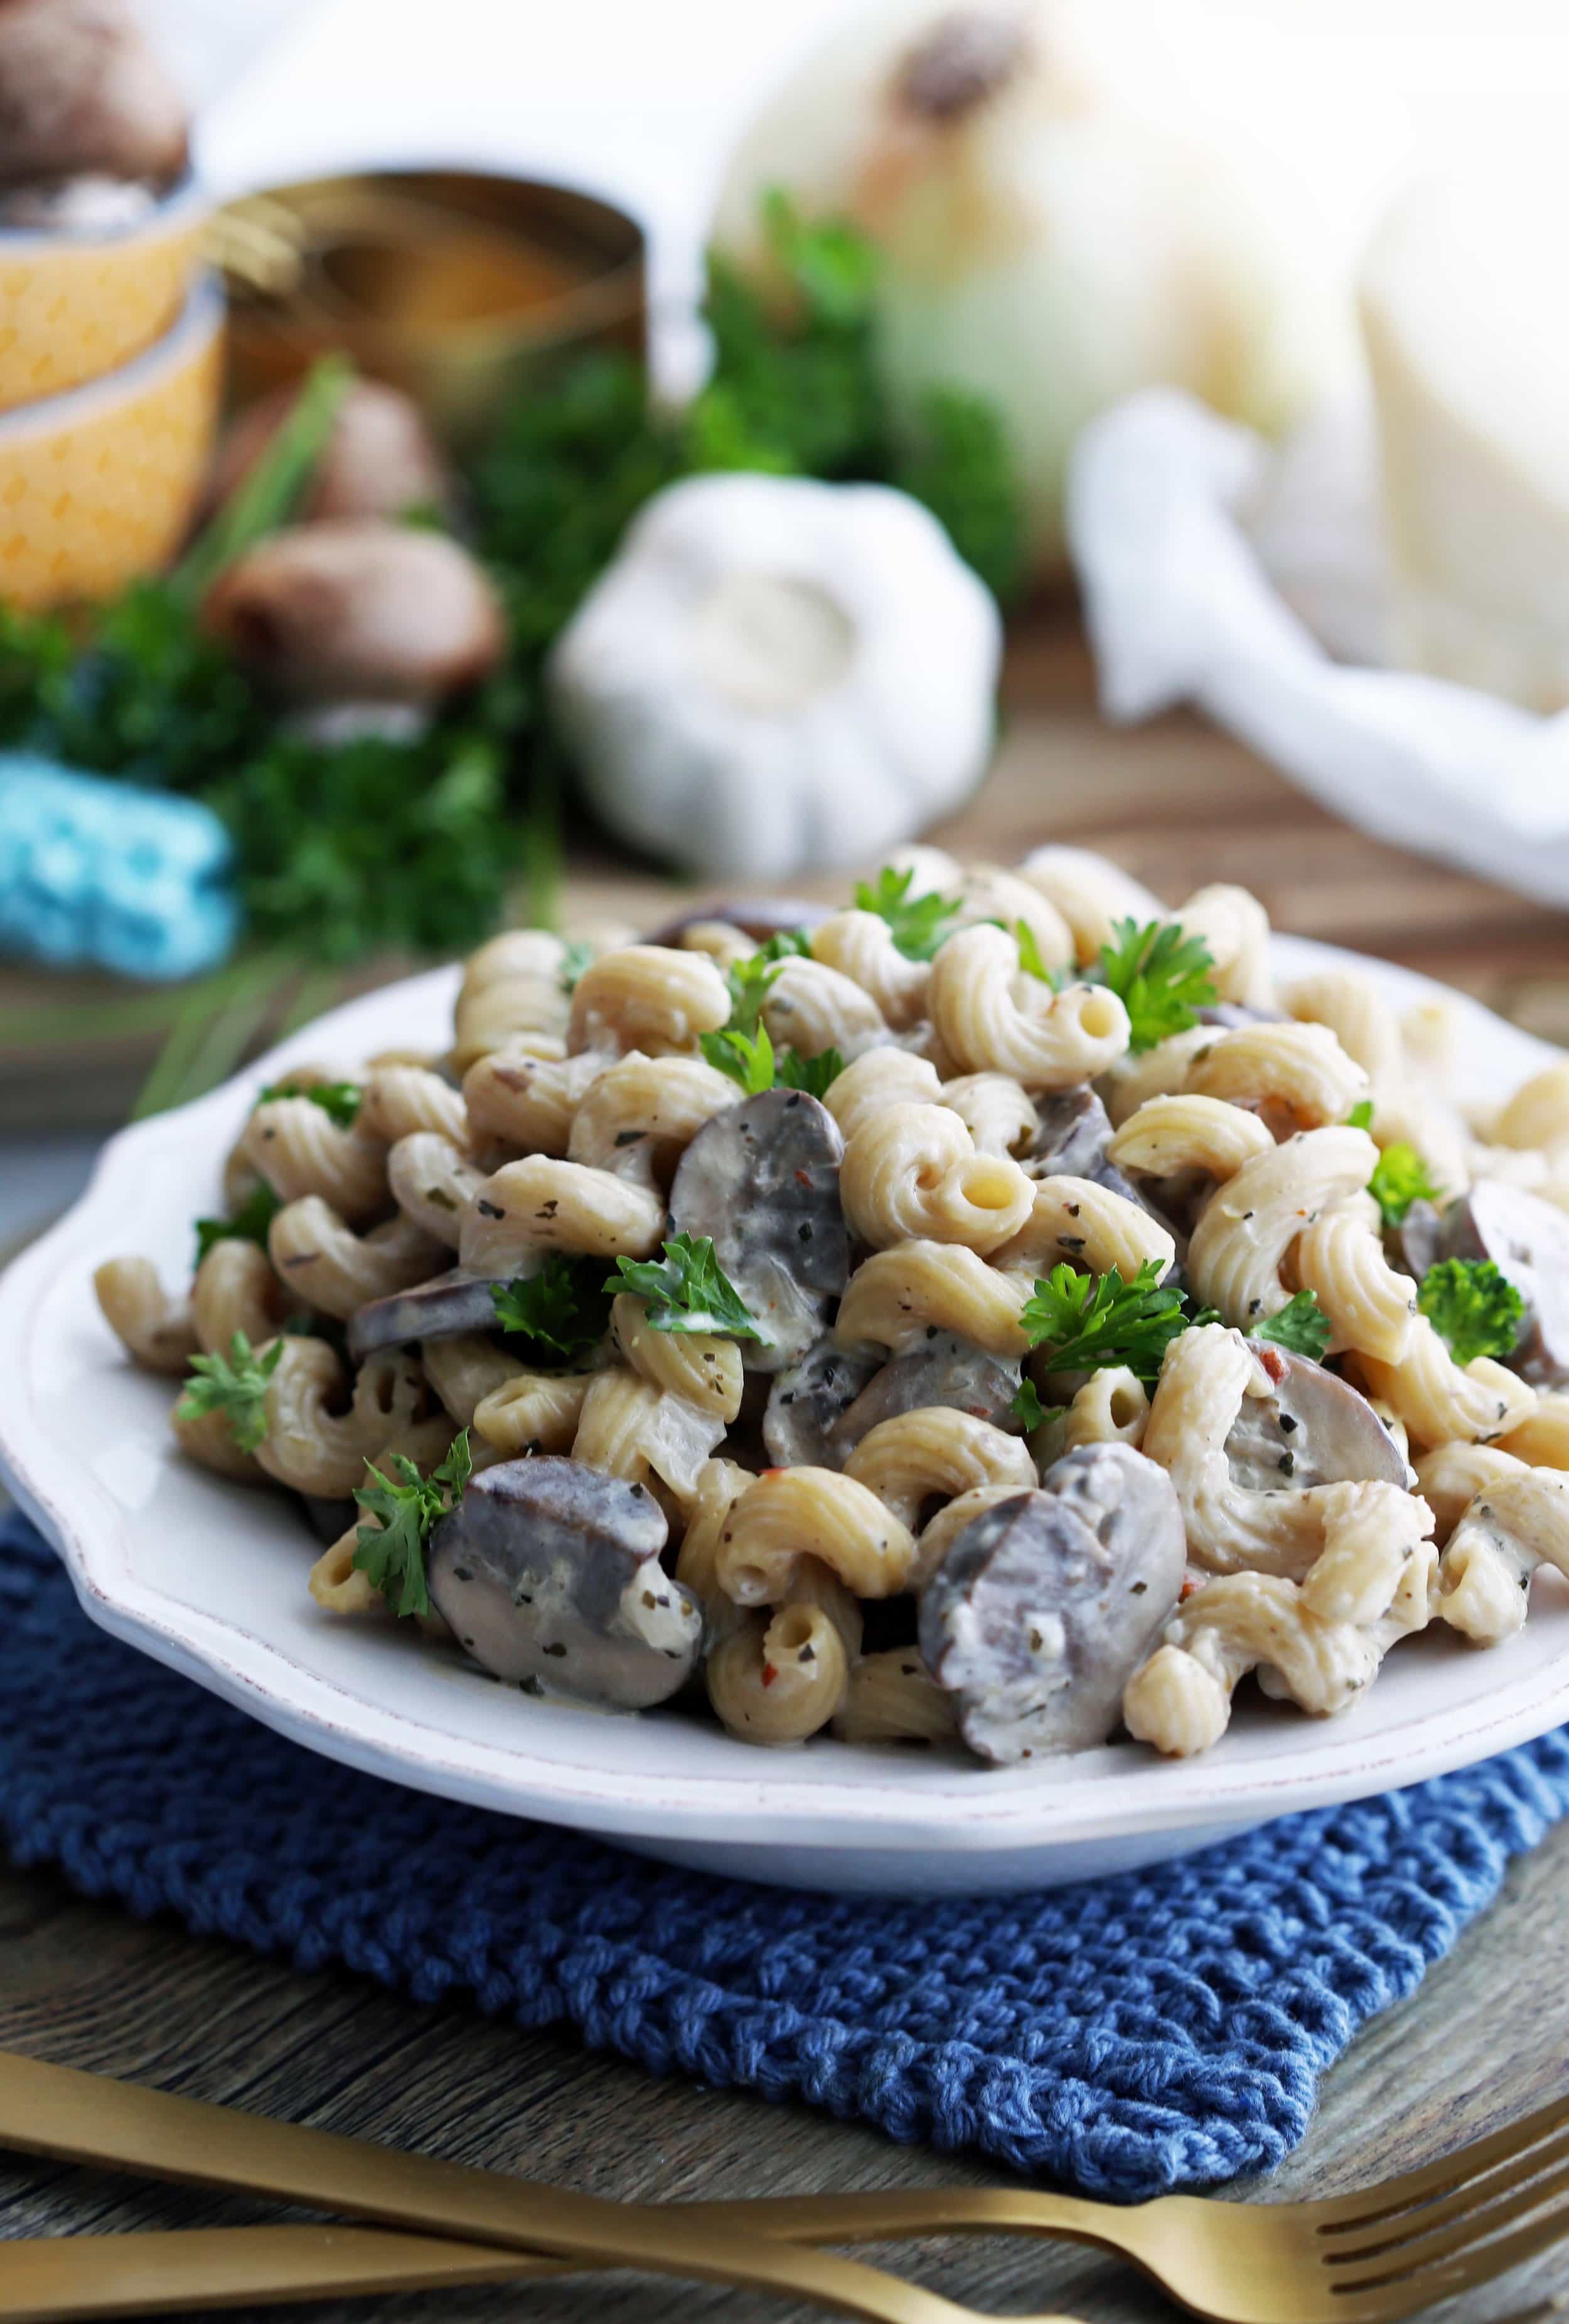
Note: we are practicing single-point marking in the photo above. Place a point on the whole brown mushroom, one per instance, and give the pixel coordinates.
(82, 93)
(357, 609)
(380, 458)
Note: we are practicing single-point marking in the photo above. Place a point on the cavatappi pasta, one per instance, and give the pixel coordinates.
(989, 1315)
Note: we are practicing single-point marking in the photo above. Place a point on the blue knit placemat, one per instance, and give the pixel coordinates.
(1162, 2029)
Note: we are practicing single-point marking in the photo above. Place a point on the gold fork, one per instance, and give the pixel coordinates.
(1356, 2259)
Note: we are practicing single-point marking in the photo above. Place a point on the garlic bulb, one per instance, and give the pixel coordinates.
(1052, 234)
(777, 675)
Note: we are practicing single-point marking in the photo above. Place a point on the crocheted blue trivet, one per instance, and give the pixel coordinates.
(1162, 2029)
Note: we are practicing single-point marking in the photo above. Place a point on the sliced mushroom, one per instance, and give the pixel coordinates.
(1047, 1602)
(1071, 1143)
(762, 1181)
(1527, 1240)
(440, 1309)
(358, 609)
(380, 459)
(1416, 1243)
(941, 1369)
(1313, 1429)
(548, 1572)
(1228, 1014)
(805, 1402)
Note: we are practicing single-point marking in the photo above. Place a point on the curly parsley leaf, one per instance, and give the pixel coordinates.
(339, 1101)
(561, 1312)
(1029, 959)
(407, 1505)
(577, 957)
(786, 944)
(250, 1223)
(1400, 1179)
(1361, 1116)
(1027, 1407)
(235, 1385)
(815, 1075)
(751, 980)
(1473, 1308)
(746, 1057)
(919, 923)
(687, 1291)
(1083, 1323)
(1160, 976)
(1301, 1325)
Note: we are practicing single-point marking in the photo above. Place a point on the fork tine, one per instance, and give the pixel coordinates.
(1343, 2213)
(1471, 2210)
(1416, 2288)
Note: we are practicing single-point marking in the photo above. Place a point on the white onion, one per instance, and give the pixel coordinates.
(1053, 232)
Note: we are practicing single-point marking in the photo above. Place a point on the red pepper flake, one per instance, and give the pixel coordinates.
(768, 1674)
(1274, 1363)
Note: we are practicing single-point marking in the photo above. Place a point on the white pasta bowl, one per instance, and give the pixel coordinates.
(210, 1578)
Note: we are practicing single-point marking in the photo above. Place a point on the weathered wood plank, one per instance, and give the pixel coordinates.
(1487, 2038)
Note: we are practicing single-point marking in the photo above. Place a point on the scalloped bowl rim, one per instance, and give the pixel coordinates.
(123, 1512)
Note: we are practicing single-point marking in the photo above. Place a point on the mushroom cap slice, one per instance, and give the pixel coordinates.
(1417, 1242)
(380, 458)
(762, 1181)
(942, 1368)
(1313, 1429)
(1047, 1602)
(449, 1304)
(1071, 1143)
(757, 917)
(548, 1573)
(805, 1403)
(1527, 1240)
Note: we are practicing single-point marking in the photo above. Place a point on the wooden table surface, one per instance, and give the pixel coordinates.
(1486, 2038)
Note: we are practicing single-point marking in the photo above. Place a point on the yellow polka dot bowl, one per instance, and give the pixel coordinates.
(76, 304)
(100, 485)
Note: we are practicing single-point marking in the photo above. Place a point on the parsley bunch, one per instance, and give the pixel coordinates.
(408, 1506)
(561, 1313)
(687, 1291)
(919, 923)
(235, 1385)
(1161, 977)
(1029, 959)
(1473, 1308)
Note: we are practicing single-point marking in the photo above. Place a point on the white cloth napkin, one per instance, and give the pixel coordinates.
(1180, 609)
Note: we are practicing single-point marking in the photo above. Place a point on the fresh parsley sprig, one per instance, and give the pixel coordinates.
(1161, 977)
(577, 957)
(751, 980)
(235, 1385)
(687, 1291)
(1029, 959)
(1081, 1323)
(407, 1506)
(815, 1075)
(1361, 1116)
(1301, 1325)
(1400, 1179)
(919, 923)
(339, 1101)
(747, 1057)
(249, 1224)
(754, 1065)
(1472, 1307)
(561, 1312)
